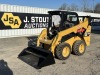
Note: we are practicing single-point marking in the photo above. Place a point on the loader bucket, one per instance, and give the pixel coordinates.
(37, 57)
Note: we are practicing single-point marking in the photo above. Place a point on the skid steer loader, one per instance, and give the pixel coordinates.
(59, 40)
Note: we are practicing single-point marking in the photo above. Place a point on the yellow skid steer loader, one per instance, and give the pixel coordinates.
(60, 39)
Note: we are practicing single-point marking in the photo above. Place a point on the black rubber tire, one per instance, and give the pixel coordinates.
(75, 49)
(59, 49)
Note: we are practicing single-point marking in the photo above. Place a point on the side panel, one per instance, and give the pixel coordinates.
(87, 36)
(72, 40)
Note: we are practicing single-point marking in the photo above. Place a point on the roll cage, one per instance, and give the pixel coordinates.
(64, 15)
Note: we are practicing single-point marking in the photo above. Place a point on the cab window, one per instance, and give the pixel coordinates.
(72, 18)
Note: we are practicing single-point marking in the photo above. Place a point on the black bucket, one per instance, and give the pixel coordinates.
(37, 57)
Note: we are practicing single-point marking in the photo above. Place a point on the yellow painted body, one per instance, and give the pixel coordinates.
(57, 39)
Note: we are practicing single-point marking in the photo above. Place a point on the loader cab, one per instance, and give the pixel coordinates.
(61, 20)
(58, 18)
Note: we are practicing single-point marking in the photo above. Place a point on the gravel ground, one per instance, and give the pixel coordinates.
(88, 64)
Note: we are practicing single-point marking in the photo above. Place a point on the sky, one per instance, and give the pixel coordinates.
(53, 4)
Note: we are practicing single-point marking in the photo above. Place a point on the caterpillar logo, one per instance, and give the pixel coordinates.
(10, 20)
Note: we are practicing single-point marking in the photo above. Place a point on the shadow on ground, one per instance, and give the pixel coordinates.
(32, 40)
(96, 31)
(4, 69)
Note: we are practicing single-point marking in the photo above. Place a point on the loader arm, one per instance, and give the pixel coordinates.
(41, 36)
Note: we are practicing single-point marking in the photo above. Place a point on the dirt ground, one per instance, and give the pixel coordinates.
(88, 64)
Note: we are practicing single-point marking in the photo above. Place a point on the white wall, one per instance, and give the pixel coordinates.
(88, 14)
(23, 9)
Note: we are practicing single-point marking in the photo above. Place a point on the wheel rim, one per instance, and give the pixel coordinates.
(81, 48)
(65, 52)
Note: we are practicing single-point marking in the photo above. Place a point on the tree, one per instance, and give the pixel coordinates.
(73, 7)
(97, 8)
(63, 7)
(85, 5)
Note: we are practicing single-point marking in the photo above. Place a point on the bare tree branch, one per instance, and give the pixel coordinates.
(97, 8)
